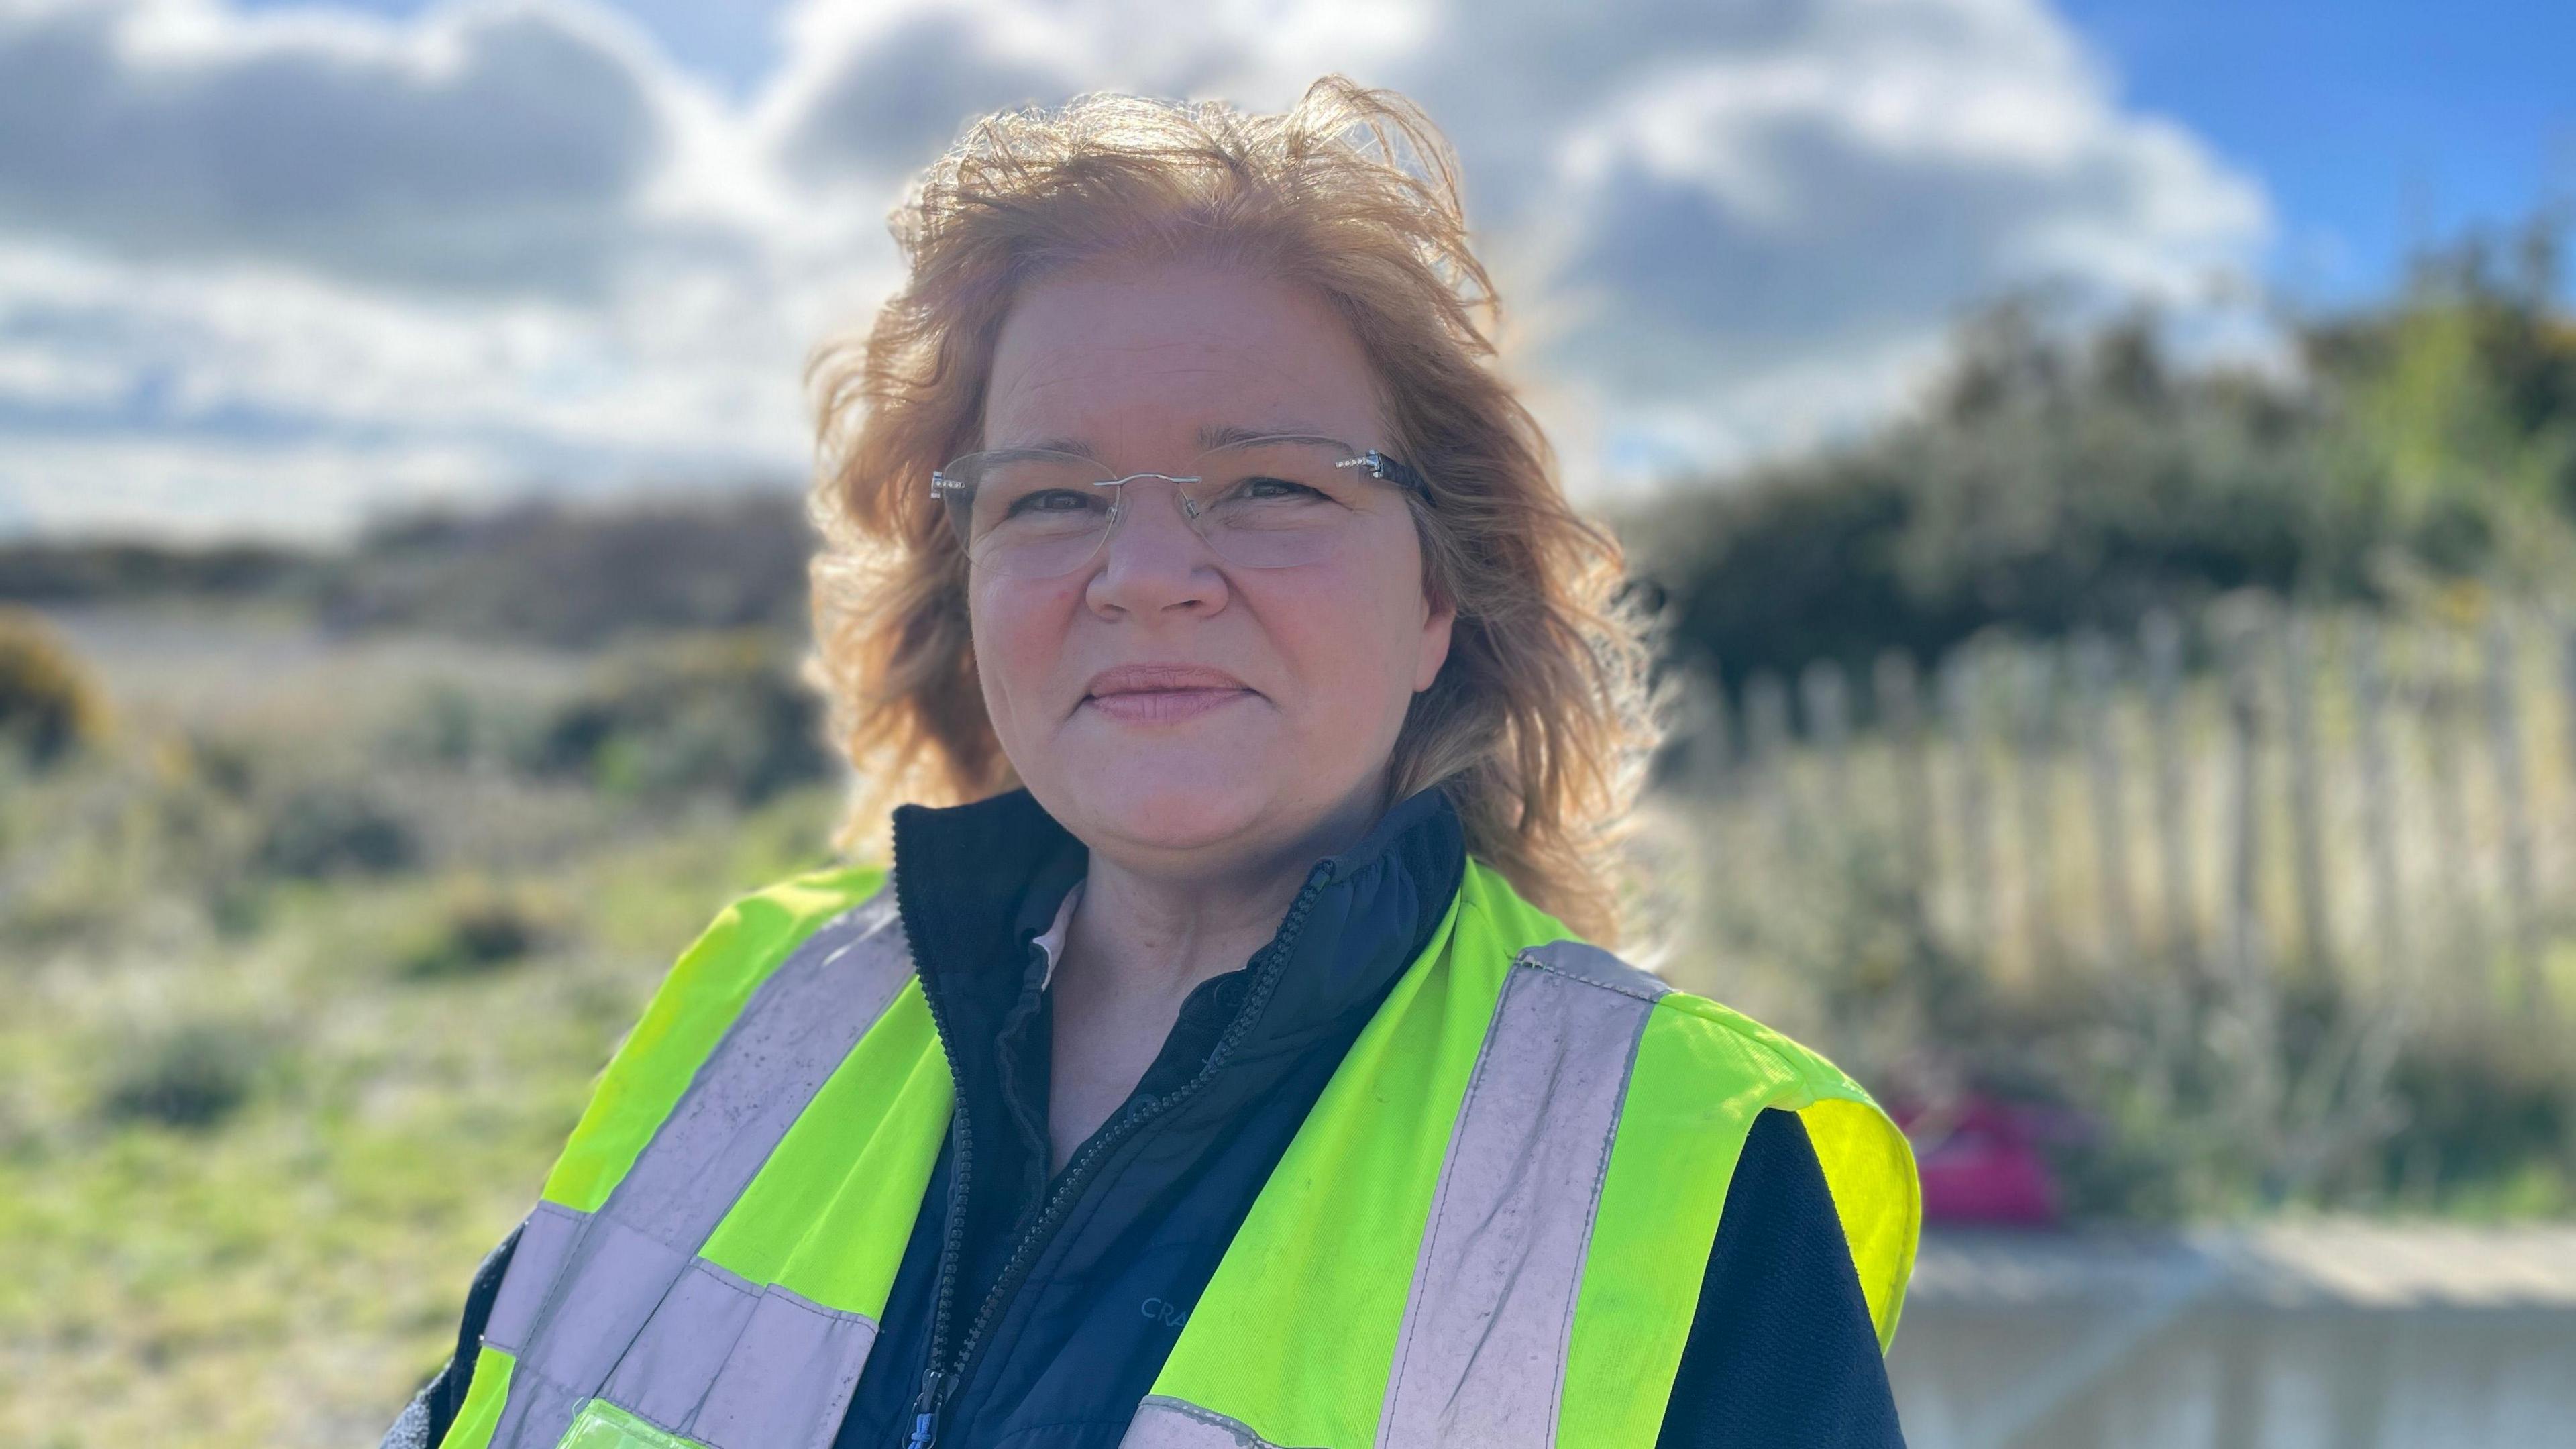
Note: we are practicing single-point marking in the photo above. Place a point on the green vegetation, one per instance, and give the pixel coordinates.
(312, 958)
(2414, 471)
(2062, 479)
(721, 712)
(48, 704)
(300, 1012)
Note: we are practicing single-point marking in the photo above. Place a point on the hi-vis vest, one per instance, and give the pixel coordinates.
(1489, 1231)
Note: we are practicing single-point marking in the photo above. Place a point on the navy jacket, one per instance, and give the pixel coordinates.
(1050, 1305)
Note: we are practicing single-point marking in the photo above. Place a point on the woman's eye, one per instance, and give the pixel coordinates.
(1052, 500)
(1277, 488)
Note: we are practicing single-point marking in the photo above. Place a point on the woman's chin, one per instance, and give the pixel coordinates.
(1170, 813)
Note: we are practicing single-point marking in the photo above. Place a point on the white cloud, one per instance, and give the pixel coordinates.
(511, 241)
(207, 489)
(506, 244)
(491, 147)
(1773, 213)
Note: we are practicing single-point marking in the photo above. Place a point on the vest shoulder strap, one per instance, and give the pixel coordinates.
(1868, 1165)
(697, 1001)
(1502, 1207)
(747, 1025)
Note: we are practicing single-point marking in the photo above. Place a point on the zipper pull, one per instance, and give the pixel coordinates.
(925, 1411)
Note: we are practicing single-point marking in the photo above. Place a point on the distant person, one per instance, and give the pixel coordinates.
(1232, 1068)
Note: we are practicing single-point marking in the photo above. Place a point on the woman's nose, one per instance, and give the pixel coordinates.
(1153, 559)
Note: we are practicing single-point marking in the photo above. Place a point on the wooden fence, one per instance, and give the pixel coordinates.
(2250, 790)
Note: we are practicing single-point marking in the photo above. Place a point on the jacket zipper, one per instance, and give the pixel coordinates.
(937, 1382)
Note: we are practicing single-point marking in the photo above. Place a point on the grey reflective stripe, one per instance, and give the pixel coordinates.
(734, 1364)
(1481, 1356)
(615, 1279)
(663, 1376)
(633, 1258)
(1163, 1422)
(545, 1245)
(1586, 962)
(789, 1377)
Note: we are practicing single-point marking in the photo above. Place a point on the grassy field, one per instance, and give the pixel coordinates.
(304, 992)
(310, 960)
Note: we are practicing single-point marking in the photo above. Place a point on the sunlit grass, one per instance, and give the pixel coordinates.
(251, 1148)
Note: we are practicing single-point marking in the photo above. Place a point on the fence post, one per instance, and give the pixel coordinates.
(2160, 638)
(2378, 805)
(2439, 690)
(2249, 982)
(2504, 729)
(1710, 763)
(1828, 705)
(1900, 708)
(2035, 774)
(1766, 743)
(2095, 672)
(1959, 685)
(2567, 712)
(2244, 808)
(2306, 844)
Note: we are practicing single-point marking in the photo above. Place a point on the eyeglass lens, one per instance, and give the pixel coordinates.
(1265, 504)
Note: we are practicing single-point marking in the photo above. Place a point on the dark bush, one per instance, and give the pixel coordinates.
(2475, 1115)
(55, 571)
(481, 931)
(578, 577)
(48, 703)
(720, 713)
(2055, 485)
(191, 1077)
(322, 831)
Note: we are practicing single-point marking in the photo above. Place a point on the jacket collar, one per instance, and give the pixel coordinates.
(979, 885)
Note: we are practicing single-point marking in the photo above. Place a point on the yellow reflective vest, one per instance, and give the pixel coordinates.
(1490, 1229)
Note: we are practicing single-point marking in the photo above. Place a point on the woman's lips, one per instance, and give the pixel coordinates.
(1164, 706)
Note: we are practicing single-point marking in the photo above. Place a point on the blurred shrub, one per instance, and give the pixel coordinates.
(2055, 484)
(580, 577)
(2171, 1104)
(451, 726)
(48, 703)
(2460, 397)
(45, 571)
(478, 929)
(323, 830)
(721, 713)
(2481, 1123)
(2062, 478)
(225, 763)
(192, 1076)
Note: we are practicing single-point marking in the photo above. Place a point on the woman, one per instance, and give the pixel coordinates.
(1232, 1070)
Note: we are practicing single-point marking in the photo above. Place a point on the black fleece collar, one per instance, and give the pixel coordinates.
(978, 883)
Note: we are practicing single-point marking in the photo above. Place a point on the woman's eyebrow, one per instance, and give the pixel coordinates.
(1227, 435)
(1075, 446)
(1214, 435)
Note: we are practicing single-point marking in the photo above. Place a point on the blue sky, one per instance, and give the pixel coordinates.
(278, 268)
(2372, 123)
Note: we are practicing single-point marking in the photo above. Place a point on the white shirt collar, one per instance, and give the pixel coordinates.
(1052, 943)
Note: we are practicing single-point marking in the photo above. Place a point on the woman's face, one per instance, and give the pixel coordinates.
(1182, 715)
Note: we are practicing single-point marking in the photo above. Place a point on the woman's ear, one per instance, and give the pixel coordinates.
(1437, 625)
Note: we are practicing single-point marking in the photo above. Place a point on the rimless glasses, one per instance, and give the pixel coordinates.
(1273, 501)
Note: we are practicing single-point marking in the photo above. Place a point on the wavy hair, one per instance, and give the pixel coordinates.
(1537, 725)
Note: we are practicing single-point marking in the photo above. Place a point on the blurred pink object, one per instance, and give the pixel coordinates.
(1980, 1162)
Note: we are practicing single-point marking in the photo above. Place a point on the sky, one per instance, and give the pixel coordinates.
(283, 269)
(2374, 126)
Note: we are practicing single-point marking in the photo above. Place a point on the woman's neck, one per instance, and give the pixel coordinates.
(1155, 936)
(1138, 944)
